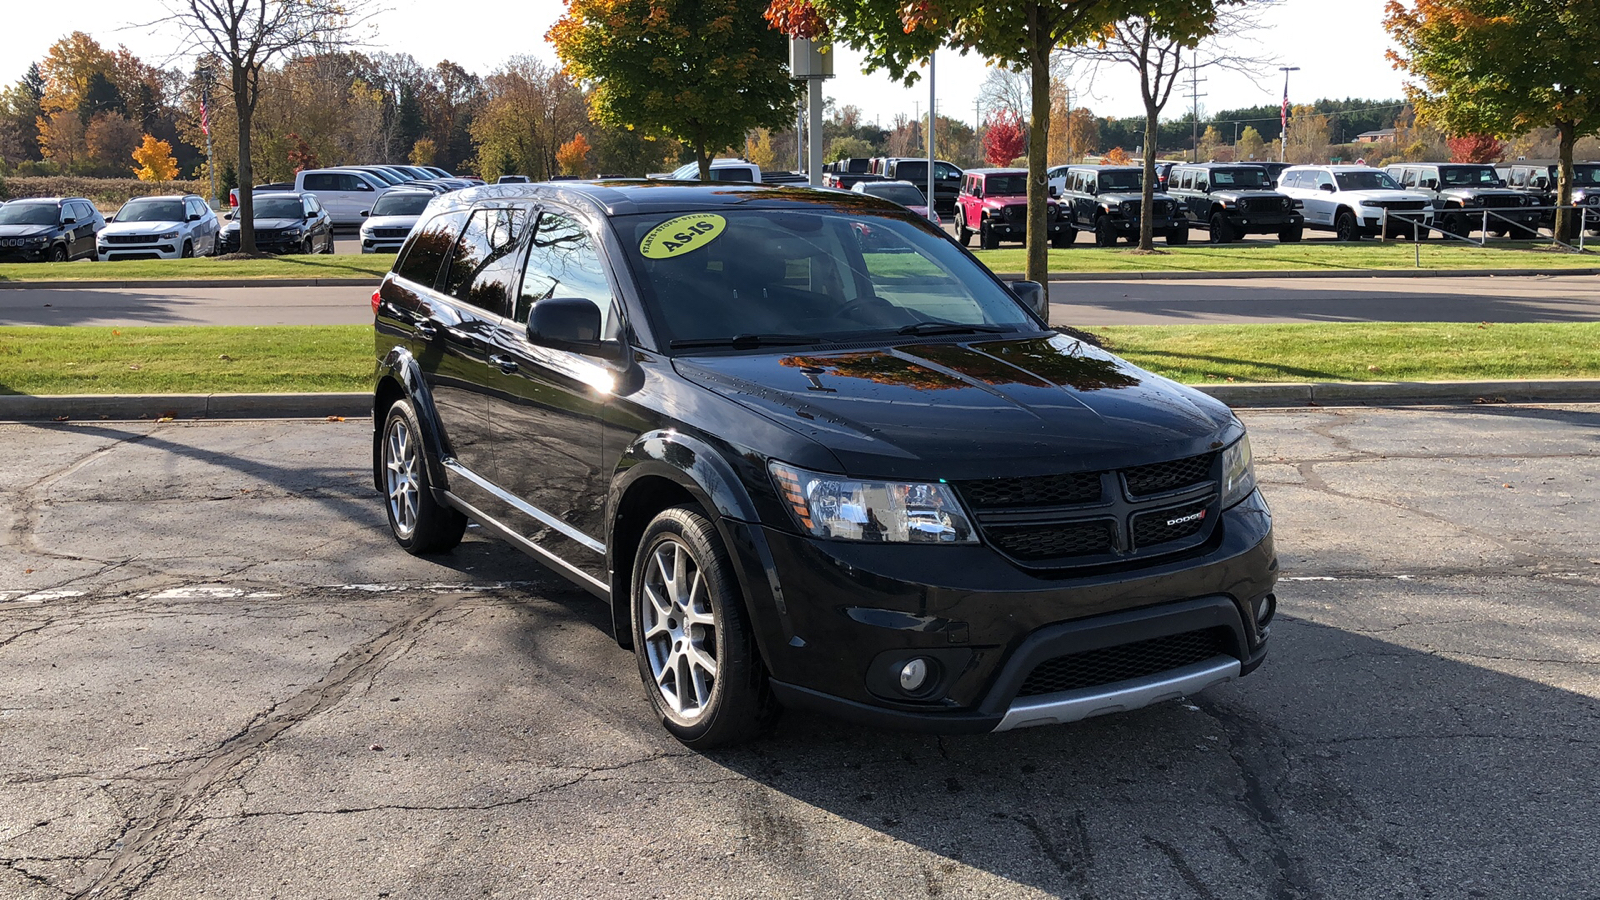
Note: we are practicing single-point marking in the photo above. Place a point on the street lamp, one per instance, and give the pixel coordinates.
(1283, 136)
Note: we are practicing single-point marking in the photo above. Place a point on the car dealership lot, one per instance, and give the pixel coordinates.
(222, 679)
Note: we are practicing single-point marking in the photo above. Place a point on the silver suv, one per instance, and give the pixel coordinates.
(1357, 201)
(170, 227)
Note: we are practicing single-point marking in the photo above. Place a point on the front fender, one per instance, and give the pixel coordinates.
(399, 368)
(690, 463)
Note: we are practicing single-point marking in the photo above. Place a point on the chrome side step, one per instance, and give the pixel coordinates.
(1121, 696)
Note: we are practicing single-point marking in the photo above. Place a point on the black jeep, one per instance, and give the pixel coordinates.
(1233, 201)
(1106, 200)
(1468, 196)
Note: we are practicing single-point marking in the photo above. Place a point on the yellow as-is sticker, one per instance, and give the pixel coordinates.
(685, 234)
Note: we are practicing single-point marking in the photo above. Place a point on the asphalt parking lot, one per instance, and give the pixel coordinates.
(219, 678)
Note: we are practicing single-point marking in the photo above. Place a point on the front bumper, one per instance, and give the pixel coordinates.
(836, 620)
(231, 245)
(24, 254)
(1006, 229)
(157, 250)
(1245, 222)
(381, 245)
(1372, 220)
(1126, 225)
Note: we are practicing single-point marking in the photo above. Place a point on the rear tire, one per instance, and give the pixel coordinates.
(963, 233)
(692, 638)
(1221, 231)
(420, 524)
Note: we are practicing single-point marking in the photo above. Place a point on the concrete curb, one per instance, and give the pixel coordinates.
(79, 407)
(192, 283)
(1056, 277)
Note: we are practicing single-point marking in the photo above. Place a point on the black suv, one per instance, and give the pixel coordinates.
(1233, 201)
(286, 222)
(946, 177)
(805, 468)
(1463, 193)
(1105, 200)
(49, 229)
(1541, 180)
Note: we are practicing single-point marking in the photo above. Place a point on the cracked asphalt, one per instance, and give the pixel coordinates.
(219, 678)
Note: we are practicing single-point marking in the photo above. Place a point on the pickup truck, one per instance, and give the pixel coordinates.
(233, 193)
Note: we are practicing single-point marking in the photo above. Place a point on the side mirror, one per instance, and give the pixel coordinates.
(194, 217)
(1328, 187)
(1203, 187)
(365, 213)
(69, 220)
(1033, 296)
(1431, 184)
(228, 216)
(1053, 192)
(569, 323)
(110, 219)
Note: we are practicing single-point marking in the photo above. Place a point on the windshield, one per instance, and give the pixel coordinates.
(278, 208)
(1005, 186)
(1586, 174)
(1475, 176)
(808, 277)
(903, 194)
(151, 211)
(29, 214)
(1248, 177)
(1366, 181)
(1121, 181)
(401, 204)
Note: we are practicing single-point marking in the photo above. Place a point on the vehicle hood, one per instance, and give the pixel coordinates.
(20, 231)
(269, 224)
(1480, 192)
(1383, 196)
(389, 222)
(997, 407)
(1003, 202)
(1248, 194)
(151, 227)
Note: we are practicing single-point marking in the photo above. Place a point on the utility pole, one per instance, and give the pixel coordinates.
(1194, 98)
(1283, 137)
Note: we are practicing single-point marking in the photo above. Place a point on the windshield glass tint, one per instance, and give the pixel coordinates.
(1239, 178)
(903, 194)
(401, 204)
(810, 275)
(1366, 181)
(278, 208)
(1586, 174)
(1121, 182)
(29, 214)
(1481, 176)
(151, 211)
(1005, 186)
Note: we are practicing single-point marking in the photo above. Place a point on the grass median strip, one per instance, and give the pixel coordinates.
(365, 265)
(1319, 255)
(197, 360)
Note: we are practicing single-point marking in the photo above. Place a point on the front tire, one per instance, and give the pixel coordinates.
(307, 247)
(1178, 236)
(696, 651)
(188, 251)
(1104, 234)
(58, 254)
(1064, 238)
(986, 238)
(1221, 231)
(1292, 234)
(1345, 227)
(419, 522)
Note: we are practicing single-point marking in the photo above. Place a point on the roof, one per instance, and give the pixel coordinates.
(1340, 168)
(1006, 171)
(621, 197)
(1221, 165)
(1105, 168)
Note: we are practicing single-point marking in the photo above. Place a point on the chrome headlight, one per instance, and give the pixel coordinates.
(169, 236)
(833, 506)
(1238, 472)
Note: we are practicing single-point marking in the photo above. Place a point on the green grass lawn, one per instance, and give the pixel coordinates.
(190, 360)
(365, 265)
(1285, 257)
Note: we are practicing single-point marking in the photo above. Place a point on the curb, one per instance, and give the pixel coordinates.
(75, 407)
(192, 283)
(72, 407)
(1057, 277)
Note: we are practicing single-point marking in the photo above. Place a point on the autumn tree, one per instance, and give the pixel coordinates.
(573, 156)
(1004, 139)
(847, 148)
(1476, 148)
(246, 36)
(1117, 156)
(1250, 145)
(531, 108)
(423, 152)
(155, 161)
(702, 71)
(758, 148)
(1503, 67)
(20, 109)
(110, 139)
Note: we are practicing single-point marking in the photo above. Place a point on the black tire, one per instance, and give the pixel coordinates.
(1221, 230)
(1524, 233)
(420, 523)
(1345, 227)
(1064, 238)
(58, 253)
(737, 705)
(188, 250)
(986, 238)
(1178, 236)
(306, 247)
(1292, 234)
(1104, 234)
(963, 233)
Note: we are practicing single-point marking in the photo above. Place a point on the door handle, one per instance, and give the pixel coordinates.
(427, 330)
(506, 363)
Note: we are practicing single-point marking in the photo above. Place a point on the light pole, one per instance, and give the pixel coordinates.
(1283, 136)
(206, 76)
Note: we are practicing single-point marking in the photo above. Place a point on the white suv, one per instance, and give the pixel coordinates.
(1351, 201)
(160, 228)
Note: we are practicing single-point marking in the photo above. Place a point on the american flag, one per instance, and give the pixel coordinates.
(205, 116)
(1284, 124)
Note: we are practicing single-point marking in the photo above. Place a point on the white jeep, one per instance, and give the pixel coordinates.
(1357, 201)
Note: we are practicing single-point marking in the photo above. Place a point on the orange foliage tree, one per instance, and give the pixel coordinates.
(573, 156)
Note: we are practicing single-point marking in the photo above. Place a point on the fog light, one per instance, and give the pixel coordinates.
(913, 675)
(1264, 612)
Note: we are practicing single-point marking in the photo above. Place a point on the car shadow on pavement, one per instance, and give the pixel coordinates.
(1347, 767)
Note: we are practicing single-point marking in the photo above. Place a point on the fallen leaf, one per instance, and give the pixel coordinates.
(1505, 485)
(378, 747)
(30, 571)
(336, 418)
(114, 331)
(1373, 369)
(61, 418)
(135, 367)
(164, 419)
(226, 357)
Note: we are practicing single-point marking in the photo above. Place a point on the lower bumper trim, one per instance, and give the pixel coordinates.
(1073, 706)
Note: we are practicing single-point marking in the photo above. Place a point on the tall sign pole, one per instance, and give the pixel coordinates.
(932, 116)
(813, 63)
(203, 72)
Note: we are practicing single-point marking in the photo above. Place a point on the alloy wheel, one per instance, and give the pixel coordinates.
(400, 464)
(679, 627)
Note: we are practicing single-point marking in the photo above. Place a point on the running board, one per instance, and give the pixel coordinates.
(561, 567)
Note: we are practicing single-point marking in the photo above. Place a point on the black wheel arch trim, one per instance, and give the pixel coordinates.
(400, 367)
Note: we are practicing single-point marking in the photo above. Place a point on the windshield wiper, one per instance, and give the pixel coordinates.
(745, 341)
(951, 328)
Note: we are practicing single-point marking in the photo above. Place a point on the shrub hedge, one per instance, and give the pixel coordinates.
(107, 193)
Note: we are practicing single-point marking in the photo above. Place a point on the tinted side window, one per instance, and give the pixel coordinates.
(495, 278)
(321, 182)
(471, 252)
(423, 255)
(563, 262)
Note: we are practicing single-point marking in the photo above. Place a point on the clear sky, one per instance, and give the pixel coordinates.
(1338, 45)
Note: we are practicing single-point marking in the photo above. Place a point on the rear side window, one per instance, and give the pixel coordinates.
(496, 234)
(355, 183)
(321, 182)
(429, 246)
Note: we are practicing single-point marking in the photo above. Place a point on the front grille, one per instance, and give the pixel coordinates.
(1032, 543)
(1264, 204)
(1109, 665)
(1501, 201)
(129, 238)
(1159, 478)
(1400, 205)
(1050, 490)
(1164, 525)
(390, 232)
(1016, 215)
